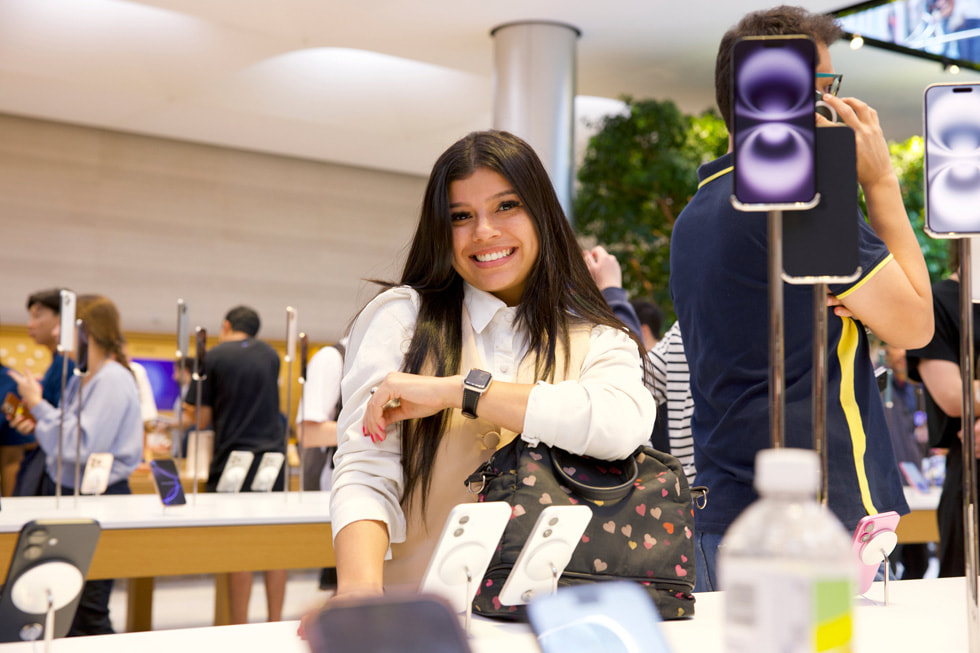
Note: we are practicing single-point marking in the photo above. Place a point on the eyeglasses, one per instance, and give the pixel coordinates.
(835, 81)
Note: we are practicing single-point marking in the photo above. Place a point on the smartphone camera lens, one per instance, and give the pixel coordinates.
(33, 552)
(37, 536)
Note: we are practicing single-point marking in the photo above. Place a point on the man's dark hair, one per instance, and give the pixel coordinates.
(779, 21)
(244, 320)
(650, 315)
(50, 298)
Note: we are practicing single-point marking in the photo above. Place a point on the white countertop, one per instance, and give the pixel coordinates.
(923, 500)
(146, 511)
(922, 615)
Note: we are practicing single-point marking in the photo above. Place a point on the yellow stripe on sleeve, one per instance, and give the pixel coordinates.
(866, 277)
(846, 353)
(716, 175)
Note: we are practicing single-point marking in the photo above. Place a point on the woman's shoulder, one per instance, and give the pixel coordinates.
(397, 300)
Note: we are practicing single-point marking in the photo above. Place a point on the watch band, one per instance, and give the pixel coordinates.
(475, 384)
(470, 399)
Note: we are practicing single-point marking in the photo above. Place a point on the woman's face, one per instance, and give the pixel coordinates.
(495, 244)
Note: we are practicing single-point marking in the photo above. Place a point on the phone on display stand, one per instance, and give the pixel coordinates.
(51, 560)
(95, 479)
(66, 329)
(201, 347)
(556, 533)
(81, 354)
(874, 539)
(820, 245)
(462, 554)
(613, 617)
(774, 128)
(952, 159)
(183, 329)
(407, 624)
(267, 472)
(291, 334)
(167, 482)
(236, 469)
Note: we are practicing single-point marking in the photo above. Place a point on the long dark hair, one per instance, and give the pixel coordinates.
(558, 291)
(100, 319)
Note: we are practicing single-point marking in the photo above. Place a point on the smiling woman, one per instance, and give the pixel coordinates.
(495, 329)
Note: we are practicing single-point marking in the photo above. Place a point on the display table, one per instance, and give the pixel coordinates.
(923, 615)
(216, 534)
(920, 525)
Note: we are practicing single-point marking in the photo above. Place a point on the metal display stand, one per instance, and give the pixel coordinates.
(969, 447)
(290, 355)
(301, 440)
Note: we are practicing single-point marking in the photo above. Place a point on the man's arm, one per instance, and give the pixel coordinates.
(895, 302)
(188, 417)
(944, 383)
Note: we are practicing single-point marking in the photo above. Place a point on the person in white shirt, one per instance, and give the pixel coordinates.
(494, 291)
(316, 416)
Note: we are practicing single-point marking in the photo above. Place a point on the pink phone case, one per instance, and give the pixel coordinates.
(873, 530)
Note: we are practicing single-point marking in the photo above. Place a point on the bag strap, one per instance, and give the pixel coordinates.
(611, 493)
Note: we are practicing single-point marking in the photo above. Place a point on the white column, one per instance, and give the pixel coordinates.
(534, 94)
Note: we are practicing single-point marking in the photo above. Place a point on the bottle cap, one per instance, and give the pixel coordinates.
(787, 470)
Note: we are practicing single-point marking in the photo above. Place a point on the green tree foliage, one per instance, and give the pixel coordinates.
(639, 171)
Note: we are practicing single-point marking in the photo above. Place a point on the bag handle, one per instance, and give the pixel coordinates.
(609, 493)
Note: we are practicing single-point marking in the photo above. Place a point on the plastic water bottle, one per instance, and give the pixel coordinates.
(786, 565)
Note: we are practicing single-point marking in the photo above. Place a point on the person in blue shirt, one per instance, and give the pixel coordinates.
(44, 327)
(720, 286)
(109, 421)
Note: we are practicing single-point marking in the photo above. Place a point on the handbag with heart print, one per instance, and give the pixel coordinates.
(641, 529)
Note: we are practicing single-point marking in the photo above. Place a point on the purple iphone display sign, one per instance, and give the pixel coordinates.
(774, 125)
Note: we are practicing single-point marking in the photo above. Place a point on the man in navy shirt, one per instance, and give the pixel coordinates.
(719, 282)
(44, 327)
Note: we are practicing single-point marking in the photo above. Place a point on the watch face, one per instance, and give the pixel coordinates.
(478, 379)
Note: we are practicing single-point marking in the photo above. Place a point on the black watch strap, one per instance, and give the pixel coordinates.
(475, 384)
(470, 400)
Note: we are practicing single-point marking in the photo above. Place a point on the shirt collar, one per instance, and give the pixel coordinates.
(484, 307)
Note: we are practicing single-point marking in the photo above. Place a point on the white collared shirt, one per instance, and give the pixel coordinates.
(607, 413)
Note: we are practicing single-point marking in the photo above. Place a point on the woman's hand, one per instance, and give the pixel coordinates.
(28, 388)
(404, 396)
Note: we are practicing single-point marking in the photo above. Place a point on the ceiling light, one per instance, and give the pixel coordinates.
(953, 69)
(856, 42)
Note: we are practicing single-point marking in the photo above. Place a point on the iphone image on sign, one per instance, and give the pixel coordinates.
(952, 159)
(774, 123)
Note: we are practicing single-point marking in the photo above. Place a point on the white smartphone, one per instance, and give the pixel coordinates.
(611, 616)
(236, 468)
(66, 335)
(548, 549)
(468, 540)
(291, 334)
(95, 478)
(268, 471)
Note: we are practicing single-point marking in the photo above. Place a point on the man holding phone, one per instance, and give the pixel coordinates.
(719, 282)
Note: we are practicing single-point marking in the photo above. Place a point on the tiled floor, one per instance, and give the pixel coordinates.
(188, 601)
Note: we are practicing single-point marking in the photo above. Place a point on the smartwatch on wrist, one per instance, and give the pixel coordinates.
(474, 385)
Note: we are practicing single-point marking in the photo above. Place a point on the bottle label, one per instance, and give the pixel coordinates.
(781, 610)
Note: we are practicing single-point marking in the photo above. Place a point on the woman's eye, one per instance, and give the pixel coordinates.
(456, 217)
(510, 205)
